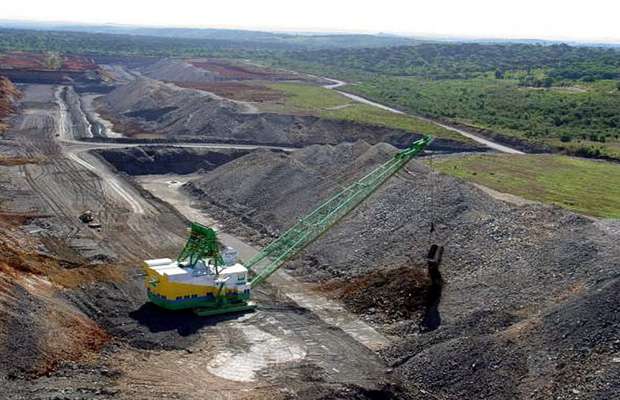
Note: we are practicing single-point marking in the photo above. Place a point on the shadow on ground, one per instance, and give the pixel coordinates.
(184, 322)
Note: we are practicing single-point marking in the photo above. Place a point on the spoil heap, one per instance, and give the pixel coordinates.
(529, 303)
(8, 95)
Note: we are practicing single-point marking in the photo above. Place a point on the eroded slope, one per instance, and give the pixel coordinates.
(528, 306)
(150, 108)
(8, 95)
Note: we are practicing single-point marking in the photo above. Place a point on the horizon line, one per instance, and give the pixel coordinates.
(321, 31)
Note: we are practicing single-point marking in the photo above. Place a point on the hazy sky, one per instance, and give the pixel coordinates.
(554, 19)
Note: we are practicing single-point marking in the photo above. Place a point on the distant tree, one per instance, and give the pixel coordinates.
(566, 137)
(618, 85)
(499, 74)
(528, 80)
(547, 82)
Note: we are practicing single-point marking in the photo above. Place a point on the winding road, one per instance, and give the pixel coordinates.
(294, 337)
(495, 146)
(76, 149)
(316, 342)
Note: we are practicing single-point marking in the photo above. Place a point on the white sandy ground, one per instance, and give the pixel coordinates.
(264, 350)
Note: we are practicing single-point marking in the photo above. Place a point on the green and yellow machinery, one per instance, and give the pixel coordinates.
(203, 279)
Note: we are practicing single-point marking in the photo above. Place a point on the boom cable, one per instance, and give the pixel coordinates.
(432, 205)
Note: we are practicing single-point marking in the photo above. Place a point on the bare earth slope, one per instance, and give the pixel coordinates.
(165, 160)
(8, 96)
(271, 189)
(529, 306)
(177, 71)
(150, 106)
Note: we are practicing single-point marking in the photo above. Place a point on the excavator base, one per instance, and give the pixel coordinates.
(225, 309)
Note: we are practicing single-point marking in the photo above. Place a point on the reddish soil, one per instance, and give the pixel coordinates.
(40, 61)
(22, 61)
(236, 90)
(399, 294)
(228, 70)
(78, 63)
(8, 95)
(40, 329)
(12, 161)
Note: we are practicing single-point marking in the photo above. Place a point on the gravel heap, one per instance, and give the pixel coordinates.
(171, 70)
(270, 190)
(529, 306)
(147, 105)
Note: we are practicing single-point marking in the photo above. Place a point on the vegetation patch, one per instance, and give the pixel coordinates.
(582, 122)
(242, 71)
(309, 99)
(584, 186)
(558, 96)
(470, 60)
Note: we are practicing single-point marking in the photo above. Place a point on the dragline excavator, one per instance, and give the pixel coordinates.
(210, 281)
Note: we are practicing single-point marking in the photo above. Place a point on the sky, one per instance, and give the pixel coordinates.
(591, 20)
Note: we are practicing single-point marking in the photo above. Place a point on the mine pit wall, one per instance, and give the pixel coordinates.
(93, 87)
(8, 96)
(397, 139)
(83, 81)
(127, 61)
(47, 77)
(165, 160)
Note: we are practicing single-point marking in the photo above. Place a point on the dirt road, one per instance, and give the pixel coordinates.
(495, 146)
(167, 189)
(73, 124)
(282, 348)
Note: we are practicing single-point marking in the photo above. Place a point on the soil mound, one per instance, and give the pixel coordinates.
(8, 95)
(529, 302)
(270, 190)
(38, 329)
(152, 107)
(164, 160)
(171, 70)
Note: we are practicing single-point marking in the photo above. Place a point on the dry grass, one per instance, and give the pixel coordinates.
(241, 71)
(13, 161)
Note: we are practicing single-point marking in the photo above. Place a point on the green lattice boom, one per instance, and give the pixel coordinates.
(327, 214)
(202, 244)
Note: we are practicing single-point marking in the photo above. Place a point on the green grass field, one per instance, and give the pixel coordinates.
(314, 100)
(580, 185)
